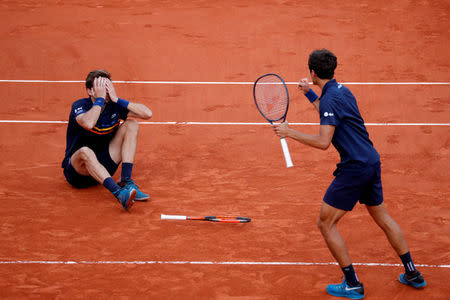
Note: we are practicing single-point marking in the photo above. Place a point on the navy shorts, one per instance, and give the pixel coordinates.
(81, 181)
(355, 182)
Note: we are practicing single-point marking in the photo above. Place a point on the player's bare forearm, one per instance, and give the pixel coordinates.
(315, 141)
(135, 109)
(90, 118)
(320, 141)
(139, 110)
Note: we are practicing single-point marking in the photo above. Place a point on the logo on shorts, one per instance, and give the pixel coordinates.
(328, 114)
(113, 116)
(78, 110)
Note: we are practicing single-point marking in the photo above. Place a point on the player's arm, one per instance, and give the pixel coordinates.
(303, 85)
(88, 119)
(320, 141)
(137, 110)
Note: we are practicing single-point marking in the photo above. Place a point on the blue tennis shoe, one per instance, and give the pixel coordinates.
(415, 280)
(125, 196)
(344, 290)
(130, 184)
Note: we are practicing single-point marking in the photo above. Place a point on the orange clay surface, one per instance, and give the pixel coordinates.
(219, 169)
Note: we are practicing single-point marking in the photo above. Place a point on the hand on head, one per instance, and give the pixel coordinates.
(99, 87)
(111, 90)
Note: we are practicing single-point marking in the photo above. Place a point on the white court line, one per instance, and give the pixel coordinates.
(154, 262)
(226, 123)
(214, 82)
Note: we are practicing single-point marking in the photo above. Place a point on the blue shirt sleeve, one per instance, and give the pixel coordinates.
(328, 113)
(79, 107)
(123, 112)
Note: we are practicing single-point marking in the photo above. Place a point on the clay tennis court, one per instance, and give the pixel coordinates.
(208, 151)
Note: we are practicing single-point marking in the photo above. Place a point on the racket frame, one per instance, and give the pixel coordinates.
(220, 219)
(284, 146)
(287, 100)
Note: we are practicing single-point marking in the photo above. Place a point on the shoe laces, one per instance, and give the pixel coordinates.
(342, 285)
(414, 276)
(131, 183)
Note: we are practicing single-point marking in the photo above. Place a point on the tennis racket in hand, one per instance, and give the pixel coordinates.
(220, 219)
(272, 100)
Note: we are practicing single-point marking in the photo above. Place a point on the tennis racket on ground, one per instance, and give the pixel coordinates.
(272, 100)
(220, 219)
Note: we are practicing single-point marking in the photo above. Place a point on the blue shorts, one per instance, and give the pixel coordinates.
(81, 181)
(355, 182)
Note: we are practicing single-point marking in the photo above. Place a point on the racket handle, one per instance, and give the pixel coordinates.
(287, 155)
(172, 217)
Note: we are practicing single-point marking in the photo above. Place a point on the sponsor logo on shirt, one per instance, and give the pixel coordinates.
(328, 114)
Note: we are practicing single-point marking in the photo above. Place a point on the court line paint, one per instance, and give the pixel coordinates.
(224, 123)
(155, 262)
(211, 82)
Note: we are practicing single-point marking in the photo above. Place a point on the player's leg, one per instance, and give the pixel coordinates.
(393, 232)
(373, 198)
(85, 163)
(397, 240)
(328, 219)
(351, 287)
(123, 148)
(341, 197)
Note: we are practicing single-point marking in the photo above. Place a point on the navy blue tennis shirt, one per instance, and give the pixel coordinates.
(338, 107)
(100, 135)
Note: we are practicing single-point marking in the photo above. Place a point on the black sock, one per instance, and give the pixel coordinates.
(127, 168)
(408, 263)
(110, 185)
(350, 275)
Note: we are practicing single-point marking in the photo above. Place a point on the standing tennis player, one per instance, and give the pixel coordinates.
(97, 142)
(357, 177)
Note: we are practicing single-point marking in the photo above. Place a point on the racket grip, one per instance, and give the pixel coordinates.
(172, 217)
(287, 155)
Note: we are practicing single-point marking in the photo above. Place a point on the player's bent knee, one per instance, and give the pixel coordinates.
(86, 153)
(131, 125)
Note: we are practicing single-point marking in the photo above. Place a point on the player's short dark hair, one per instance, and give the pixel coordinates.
(323, 62)
(94, 74)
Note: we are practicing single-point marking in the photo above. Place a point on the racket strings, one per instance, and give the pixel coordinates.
(271, 97)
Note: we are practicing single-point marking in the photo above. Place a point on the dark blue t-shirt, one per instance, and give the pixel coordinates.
(338, 107)
(100, 135)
